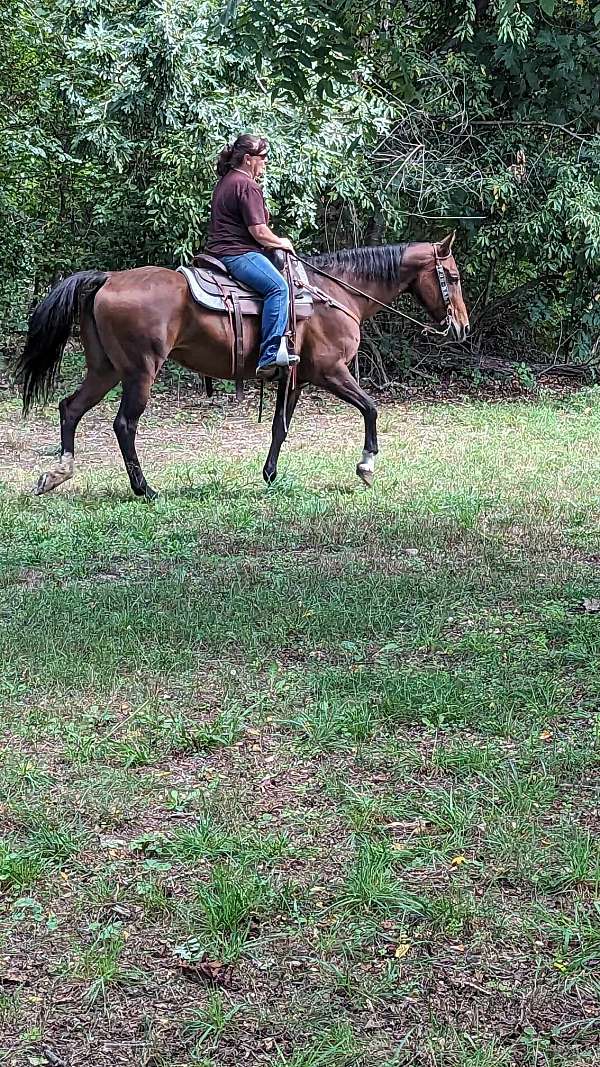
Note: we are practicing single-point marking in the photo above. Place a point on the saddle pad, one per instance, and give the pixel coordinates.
(210, 291)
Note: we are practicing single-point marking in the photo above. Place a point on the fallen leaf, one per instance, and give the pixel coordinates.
(590, 605)
(401, 951)
(110, 842)
(546, 735)
(120, 909)
(457, 861)
(13, 978)
(52, 1058)
(214, 972)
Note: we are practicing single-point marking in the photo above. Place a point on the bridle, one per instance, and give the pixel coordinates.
(441, 329)
(443, 282)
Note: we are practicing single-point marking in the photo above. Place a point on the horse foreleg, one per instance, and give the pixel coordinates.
(133, 404)
(280, 427)
(341, 383)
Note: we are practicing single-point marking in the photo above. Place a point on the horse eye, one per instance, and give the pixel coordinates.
(453, 279)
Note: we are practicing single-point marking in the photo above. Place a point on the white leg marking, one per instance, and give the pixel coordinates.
(366, 467)
(368, 461)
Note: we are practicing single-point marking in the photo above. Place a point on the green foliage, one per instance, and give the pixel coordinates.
(481, 115)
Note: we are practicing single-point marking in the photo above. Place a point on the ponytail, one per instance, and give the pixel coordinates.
(224, 161)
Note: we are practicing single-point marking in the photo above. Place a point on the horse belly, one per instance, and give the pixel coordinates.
(206, 345)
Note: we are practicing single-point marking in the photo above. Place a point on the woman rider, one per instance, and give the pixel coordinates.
(238, 233)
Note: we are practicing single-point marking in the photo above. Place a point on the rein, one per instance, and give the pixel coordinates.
(425, 327)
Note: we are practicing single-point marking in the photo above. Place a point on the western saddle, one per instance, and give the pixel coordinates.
(212, 287)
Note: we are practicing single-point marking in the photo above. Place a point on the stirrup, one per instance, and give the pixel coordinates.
(286, 359)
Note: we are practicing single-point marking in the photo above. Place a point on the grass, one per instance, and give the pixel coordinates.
(101, 965)
(372, 885)
(207, 1025)
(308, 777)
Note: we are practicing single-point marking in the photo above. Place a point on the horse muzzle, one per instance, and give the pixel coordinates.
(459, 330)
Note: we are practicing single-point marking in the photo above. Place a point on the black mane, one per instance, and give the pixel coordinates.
(373, 262)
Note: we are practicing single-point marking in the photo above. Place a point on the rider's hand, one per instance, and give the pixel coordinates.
(286, 245)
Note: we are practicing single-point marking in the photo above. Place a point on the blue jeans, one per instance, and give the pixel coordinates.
(256, 271)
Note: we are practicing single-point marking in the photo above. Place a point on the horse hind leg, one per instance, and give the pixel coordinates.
(93, 389)
(133, 403)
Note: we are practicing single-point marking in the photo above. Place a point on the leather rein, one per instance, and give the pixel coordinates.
(441, 329)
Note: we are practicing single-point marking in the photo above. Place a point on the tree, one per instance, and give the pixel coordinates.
(391, 121)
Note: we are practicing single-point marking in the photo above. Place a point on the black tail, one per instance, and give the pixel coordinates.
(49, 329)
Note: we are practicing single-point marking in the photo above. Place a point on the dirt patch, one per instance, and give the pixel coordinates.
(175, 429)
(181, 424)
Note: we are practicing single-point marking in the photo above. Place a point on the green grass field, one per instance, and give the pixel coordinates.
(308, 777)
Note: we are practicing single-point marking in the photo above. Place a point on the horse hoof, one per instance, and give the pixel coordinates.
(269, 476)
(60, 472)
(365, 475)
(145, 492)
(49, 481)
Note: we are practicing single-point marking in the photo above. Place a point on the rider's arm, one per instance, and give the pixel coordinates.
(268, 239)
(254, 213)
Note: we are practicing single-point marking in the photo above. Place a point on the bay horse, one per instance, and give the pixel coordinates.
(132, 321)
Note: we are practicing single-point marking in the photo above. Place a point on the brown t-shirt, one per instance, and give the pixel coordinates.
(237, 203)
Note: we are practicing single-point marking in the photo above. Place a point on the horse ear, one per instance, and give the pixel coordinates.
(445, 245)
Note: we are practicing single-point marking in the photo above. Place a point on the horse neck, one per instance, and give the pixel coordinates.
(373, 292)
(362, 292)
